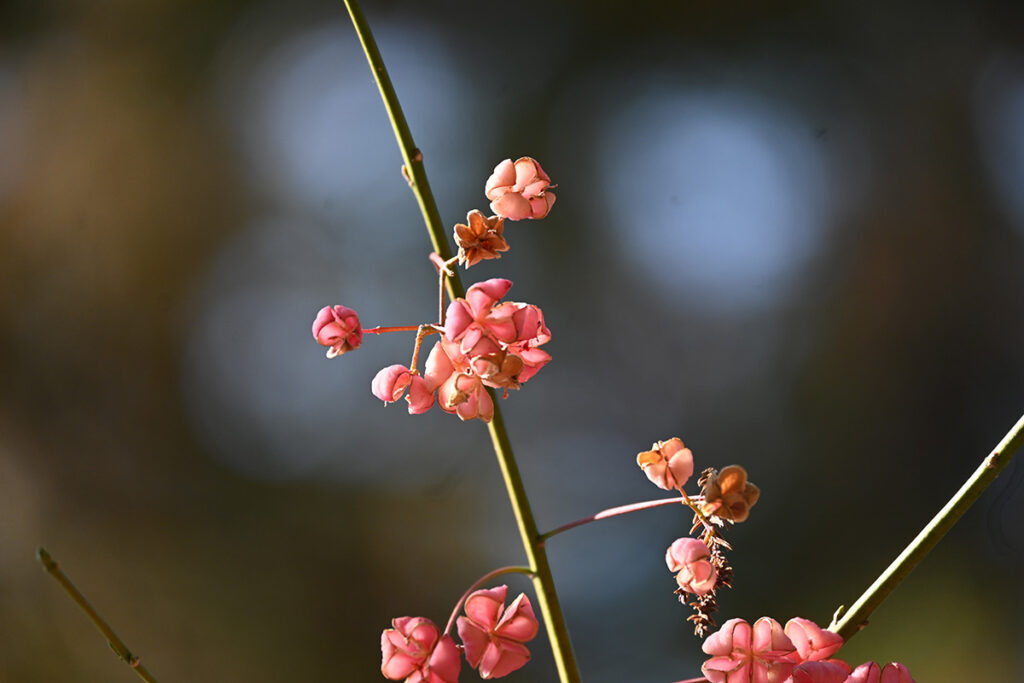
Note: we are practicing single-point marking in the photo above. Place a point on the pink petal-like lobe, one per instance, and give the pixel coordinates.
(819, 672)
(812, 642)
(390, 383)
(420, 397)
(512, 206)
(504, 176)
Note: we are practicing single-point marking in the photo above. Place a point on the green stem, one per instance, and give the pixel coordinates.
(116, 644)
(857, 616)
(543, 582)
(411, 156)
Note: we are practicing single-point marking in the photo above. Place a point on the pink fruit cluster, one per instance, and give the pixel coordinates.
(798, 653)
(519, 190)
(485, 343)
(493, 637)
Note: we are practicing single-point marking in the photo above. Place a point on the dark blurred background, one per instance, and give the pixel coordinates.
(789, 232)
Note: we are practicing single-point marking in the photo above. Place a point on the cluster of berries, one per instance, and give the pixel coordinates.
(726, 497)
(799, 653)
(740, 653)
(493, 641)
(485, 342)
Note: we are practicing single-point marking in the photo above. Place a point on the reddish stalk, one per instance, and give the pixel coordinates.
(476, 584)
(615, 512)
(424, 331)
(380, 329)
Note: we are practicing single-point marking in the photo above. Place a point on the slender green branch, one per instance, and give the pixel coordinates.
(476, 584)
(116, 644)
(412, 157)
(543, 582)
(857, 616)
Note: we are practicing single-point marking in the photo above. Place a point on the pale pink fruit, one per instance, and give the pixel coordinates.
(390, 383)
(466, 396)
(415, 651)
(485, 344)
(533, 361)
(338, 328)
(812, 642)
(482, 325)
(420, 398)
(688, 558)
(832, 671)
(741, 653)
(494, 639)
(519, 190)
(669, 464)
(477, 316)
(871, 672)
(530, 330)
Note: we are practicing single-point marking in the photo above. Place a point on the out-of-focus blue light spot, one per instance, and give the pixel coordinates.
(254, 383)
(718, 197)
(316, 133)
(999, 112)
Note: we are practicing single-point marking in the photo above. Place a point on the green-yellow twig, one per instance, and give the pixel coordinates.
(412, 158)
(848, 624)
(543, 582)
(116, 644)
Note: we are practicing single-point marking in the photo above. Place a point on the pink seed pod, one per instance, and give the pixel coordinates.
(338, 328)
(519, 190)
